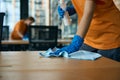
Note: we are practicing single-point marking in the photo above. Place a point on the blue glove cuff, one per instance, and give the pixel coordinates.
(77, 38)
(77, 42)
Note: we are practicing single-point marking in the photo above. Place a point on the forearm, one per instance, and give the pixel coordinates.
(86, 19)
(82, 29)
(19, 33)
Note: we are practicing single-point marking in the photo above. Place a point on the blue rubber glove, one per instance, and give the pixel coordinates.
(70, 10)
(25, 37)
(73, 47)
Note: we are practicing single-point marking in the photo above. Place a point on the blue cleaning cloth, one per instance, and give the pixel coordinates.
(25, 39)
(47, 53)
(81, 54)
(84, 55)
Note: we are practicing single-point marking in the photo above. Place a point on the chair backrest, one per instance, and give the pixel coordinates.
(43, 37)
(1, 25)
(5, 33)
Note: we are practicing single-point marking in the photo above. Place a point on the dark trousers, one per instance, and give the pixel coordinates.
(111, 53)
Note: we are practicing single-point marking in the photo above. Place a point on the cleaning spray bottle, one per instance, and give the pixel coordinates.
(66, 18)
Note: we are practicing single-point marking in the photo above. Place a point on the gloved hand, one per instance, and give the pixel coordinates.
(74, 46)
(25, 37)
(70, 10)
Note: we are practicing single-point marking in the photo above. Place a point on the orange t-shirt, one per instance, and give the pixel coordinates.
(104, 31)
(21, 27)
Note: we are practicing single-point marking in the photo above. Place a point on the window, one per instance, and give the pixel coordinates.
(45, 13)
(67, 31)
(12, 12)
(40, 10)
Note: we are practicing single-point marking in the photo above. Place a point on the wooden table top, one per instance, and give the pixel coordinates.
(30, 66)
(60, 41)
(14, 42)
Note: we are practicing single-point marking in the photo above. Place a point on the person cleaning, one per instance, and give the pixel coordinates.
(21, 28)
(98, 28)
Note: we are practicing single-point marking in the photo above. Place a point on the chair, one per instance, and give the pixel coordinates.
(5, 33)
(1, 25)
(42, 37)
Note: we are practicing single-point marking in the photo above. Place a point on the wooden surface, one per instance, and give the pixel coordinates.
(30, 66)
(14, 42)
(64, 41)
(60, 41)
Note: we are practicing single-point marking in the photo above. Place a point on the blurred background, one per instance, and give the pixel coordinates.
(44, 12)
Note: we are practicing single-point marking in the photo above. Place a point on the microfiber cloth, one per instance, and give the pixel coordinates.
(81, 54)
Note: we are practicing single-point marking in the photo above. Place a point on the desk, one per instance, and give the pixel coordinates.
(18, 45)
(30, 66)
(60, 41)
(14, 45)
(14, 42)
(64, 41)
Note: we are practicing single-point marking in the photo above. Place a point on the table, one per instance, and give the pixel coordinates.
(14, 42)
(22, 45)
(60, 41)
(30, 66)
(64, 41)
(14, 45)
